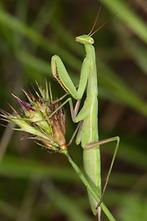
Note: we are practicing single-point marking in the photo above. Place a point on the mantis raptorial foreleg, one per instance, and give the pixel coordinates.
(60, 73)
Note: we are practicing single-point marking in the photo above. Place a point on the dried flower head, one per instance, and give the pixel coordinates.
(41, 117)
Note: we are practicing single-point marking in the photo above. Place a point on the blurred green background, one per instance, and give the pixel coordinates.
(31, 31)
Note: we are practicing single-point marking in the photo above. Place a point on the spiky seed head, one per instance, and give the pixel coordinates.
(34, 118)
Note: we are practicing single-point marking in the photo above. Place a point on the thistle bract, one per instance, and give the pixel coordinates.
(42, 118)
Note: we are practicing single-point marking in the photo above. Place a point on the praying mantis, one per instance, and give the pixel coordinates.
(87, 116)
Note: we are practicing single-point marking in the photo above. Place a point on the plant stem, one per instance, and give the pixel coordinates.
(89, 186)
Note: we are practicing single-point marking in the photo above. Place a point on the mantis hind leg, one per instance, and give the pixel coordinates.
(92, 145)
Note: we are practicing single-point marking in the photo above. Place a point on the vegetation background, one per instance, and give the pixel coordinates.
(31, 31)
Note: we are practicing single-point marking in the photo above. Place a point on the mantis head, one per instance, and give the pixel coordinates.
(85, 39)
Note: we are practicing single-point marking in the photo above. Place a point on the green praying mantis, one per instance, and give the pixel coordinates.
(87, 117)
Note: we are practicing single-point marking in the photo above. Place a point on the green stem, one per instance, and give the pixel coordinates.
(107, 212)
(91, 189)
(82, 177)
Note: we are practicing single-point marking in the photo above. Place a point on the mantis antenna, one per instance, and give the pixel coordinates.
(96, 19)
(92, 31)
(98, 29)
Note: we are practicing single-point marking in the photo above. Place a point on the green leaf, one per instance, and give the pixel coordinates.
(122, 10)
